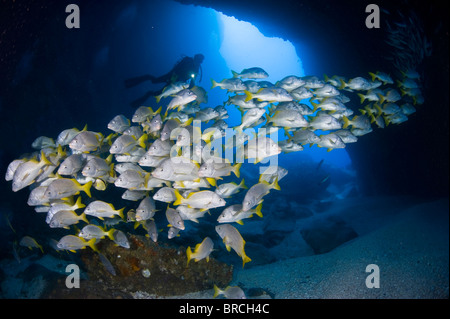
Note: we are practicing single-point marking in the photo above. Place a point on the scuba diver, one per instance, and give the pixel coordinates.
(187, 69)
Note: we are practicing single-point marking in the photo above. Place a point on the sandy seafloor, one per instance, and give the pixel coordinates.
(410, 247)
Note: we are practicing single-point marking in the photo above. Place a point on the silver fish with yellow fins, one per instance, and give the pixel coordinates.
(233, 239)
(201, 251)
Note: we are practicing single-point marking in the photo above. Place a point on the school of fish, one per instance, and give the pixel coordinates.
(169, 157)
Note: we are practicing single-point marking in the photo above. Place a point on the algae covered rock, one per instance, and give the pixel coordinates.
(154, 268)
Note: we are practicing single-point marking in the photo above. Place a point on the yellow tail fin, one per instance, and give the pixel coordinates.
(79, 204)
(211, 181)
(179, 199)
(258, 210)
(91, 243)
(217, 291)
(362, 96)
(275, 185)
(141, 141)
(87, 188)
(248, 95)
(245, 259)
(346, 122)
(83, 218)
(236, 169)
(242, 184)
(189, 254)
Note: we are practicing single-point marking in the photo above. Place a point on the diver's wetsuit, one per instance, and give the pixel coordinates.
(187, 69)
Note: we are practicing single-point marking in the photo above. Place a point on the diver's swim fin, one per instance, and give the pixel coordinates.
(129, 83)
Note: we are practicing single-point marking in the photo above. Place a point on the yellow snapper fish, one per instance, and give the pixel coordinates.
(270, 94)
(327, 90)
(201, 251)
(101, 209)
(396, 118)
(227, 190)
(27, 172)
(312, 82)
(233, 239)
(65, 218)
(330, 141)
(30, 243)
(153, 126)
(324, 121)
(67, 205)
(180, 99)
(66, 136)
(73, 243)
(261, 147)
(329, 104)
(202, 199)
(391, 95)
(212, 169)
(346, 136)
(358, 121)
(255, 194)
(152, 232)
(176, 169)
(86, 141)
(191, 214)
(119, 124)
(290, 83)
(173, 232)
(144, 113)
(358, 83)
(99, 167)
(12, 167)
(234, 213)
(234, 84)
(335, 80)
(383, 77)
(251, 73)
(174, 218)
(202, 96)
(43, 142)
(288, 119)
(159, 147)
(206, 114)
(288, 146)
(93, 231)
(125, 143)
(371, 95)
(132, 179)
(301, 93)
(65, 187)
(71, 164)
(38, 196)
(172, 89)
(407, 109)
(273, 173)
(165, 194)
(304, 137)
(250, 117)
(230, 292)
(146, 209)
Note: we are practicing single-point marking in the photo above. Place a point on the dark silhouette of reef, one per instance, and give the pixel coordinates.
(147, 268)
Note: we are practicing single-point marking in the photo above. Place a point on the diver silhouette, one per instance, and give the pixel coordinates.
(186, 69)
